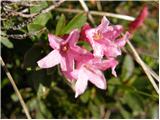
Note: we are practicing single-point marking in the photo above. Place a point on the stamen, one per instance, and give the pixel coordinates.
(97, 36)
(64, 48)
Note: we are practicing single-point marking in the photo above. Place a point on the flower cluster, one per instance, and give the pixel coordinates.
(80, 65)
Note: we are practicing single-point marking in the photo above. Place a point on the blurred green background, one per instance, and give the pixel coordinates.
(47, 93)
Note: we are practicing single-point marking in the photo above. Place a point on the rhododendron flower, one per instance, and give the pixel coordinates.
(103, 39)
(64, 53)
(92, 71)
(139, 20)
(81, 65)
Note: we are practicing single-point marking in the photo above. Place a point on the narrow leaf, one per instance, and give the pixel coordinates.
(6, 42)
(60, 25)
(32, 56)
(127, 68)
(77, 22)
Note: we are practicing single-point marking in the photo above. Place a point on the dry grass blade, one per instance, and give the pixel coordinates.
(145, 68)
(16, 89)
(97, 13)
(153, 73)
(85, 7)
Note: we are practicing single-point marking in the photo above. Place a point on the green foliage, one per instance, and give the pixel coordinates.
(60, 25)
(128, 67)
(6, 42)
(76, 23)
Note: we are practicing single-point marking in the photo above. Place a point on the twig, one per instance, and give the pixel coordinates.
(34, 15)
(107, 114)
(40, 12)
(147, 54)
(85, 7)
(98, 13)
(15, 88)
(99, 6)
(23, 36)
(153, 73)
(139, 60)
(124, 17)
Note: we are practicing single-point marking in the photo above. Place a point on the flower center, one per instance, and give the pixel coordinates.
(97, 36)
(64, 48)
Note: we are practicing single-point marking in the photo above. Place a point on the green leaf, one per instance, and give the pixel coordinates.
(42, 91)
(34, 27)
(134, 101)
(77, 22)
(4, 82)
(60, 25)
(85, 97)
(85, 45)
(32, 56)
(123, 111)
(128, 67)
(39, 6)
(44, 111)
(94, 110)
(6, 42)
(40, 21)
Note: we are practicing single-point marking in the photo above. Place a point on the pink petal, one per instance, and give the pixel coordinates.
(98, 50)
(112, 51)
(97, 47)
(54, 41)
(83, 32)
(104, 64)
(72, 38)
(81, 55)
(81, 83)
(63, 63)
(112, 32)
(89, 34)
(68, 75)
(139, 20)
(52, 59)
(69, 66)
(113, 71)
(104, 24)
(122, 41)
(74, 73)
(96, 77)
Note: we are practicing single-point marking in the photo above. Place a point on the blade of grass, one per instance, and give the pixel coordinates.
(16, 89)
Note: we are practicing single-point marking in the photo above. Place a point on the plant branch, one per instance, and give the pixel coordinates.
(153, 73)
(145, 68)
(33, 15)
(25, 35)
(85, 7)
(15, 88)
(99, 6)
(97, 13)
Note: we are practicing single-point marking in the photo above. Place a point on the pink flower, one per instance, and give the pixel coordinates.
(139, 20)
(92, 71)
(64, 53)
(83, 34)
(103, 39)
